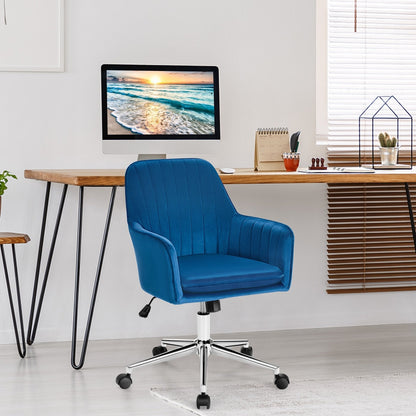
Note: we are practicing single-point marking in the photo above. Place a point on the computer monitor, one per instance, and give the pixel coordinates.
(159, 109)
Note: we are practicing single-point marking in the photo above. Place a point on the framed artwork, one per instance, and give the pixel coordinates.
(32, 35)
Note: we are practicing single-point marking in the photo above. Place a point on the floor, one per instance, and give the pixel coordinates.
(45, 384)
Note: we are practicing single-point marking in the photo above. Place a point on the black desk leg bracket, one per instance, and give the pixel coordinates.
(21, 345)
(34, 317)
(96, 282)
(34, 320)
(412, 221)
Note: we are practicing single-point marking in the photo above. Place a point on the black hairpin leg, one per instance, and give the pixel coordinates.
(33, 323)
(96, 282)
(21, 346)
(409, 206)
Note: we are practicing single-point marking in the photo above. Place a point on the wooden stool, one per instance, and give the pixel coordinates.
(13, 238)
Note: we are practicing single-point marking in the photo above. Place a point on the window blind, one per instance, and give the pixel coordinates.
(370, 244)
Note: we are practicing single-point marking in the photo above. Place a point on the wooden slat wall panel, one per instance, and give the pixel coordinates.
(369, 237)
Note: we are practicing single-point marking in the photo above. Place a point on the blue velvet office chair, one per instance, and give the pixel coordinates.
(192, 245)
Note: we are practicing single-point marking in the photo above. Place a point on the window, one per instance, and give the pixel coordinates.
(370, 244)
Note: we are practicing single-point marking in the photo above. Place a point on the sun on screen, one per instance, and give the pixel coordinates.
(155, 79)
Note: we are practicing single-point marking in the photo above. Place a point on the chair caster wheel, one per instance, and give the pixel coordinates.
(247, 351)
(281, 381)
(158, 350)
(203, 400)
(124, 380)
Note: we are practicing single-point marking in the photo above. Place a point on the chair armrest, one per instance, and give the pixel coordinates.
(263, 240)
(157, 262)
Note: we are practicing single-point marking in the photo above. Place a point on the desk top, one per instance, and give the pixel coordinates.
(115, 177)
(79, 177)
(245, 176)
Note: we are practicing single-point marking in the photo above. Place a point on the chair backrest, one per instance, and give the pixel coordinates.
(182, 199)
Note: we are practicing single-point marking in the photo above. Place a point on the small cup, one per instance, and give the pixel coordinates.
(291, 161)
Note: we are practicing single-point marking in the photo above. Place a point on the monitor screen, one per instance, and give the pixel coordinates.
(160, 102)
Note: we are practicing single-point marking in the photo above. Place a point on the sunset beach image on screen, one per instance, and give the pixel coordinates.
(160, 102)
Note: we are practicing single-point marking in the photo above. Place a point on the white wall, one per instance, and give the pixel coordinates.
(266, 53)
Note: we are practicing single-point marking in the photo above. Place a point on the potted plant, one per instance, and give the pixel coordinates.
(388, 149)
(4, 178)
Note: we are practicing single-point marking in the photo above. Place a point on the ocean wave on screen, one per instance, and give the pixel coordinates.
(171, 109)
(195, 99)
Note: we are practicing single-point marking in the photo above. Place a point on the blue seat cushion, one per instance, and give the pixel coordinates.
(210, 273)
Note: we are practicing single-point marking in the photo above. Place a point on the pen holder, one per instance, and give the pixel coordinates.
(291, 161)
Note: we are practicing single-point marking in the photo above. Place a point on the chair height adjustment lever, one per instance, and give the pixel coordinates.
(146, 309)
(213, 306)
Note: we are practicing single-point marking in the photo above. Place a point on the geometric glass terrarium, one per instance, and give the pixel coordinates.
(386, 118)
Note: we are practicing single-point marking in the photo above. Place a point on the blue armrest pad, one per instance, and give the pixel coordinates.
(157, 264)
(264, 240)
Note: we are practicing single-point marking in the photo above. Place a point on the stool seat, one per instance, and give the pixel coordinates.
(13, 238)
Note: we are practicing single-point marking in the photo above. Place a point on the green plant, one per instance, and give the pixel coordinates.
(4, 179)
(386, 141)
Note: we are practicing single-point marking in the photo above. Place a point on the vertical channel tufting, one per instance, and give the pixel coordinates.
(199, 213)
(183, 200)
(155, 214)
(187, 229)
(203, 207)
(215, 244)
(208, 210)
(166, 195)
(160, 191)
(254, 238)
(176, 190)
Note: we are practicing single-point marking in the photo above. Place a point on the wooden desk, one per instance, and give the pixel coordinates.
(115, 177)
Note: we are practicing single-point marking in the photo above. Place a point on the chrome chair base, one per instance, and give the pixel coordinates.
(203, 346)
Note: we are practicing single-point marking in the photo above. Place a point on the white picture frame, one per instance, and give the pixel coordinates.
(32, 35)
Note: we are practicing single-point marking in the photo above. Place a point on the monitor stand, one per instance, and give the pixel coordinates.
(151, 156)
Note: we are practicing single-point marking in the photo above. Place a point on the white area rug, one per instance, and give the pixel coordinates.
(387, 395)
